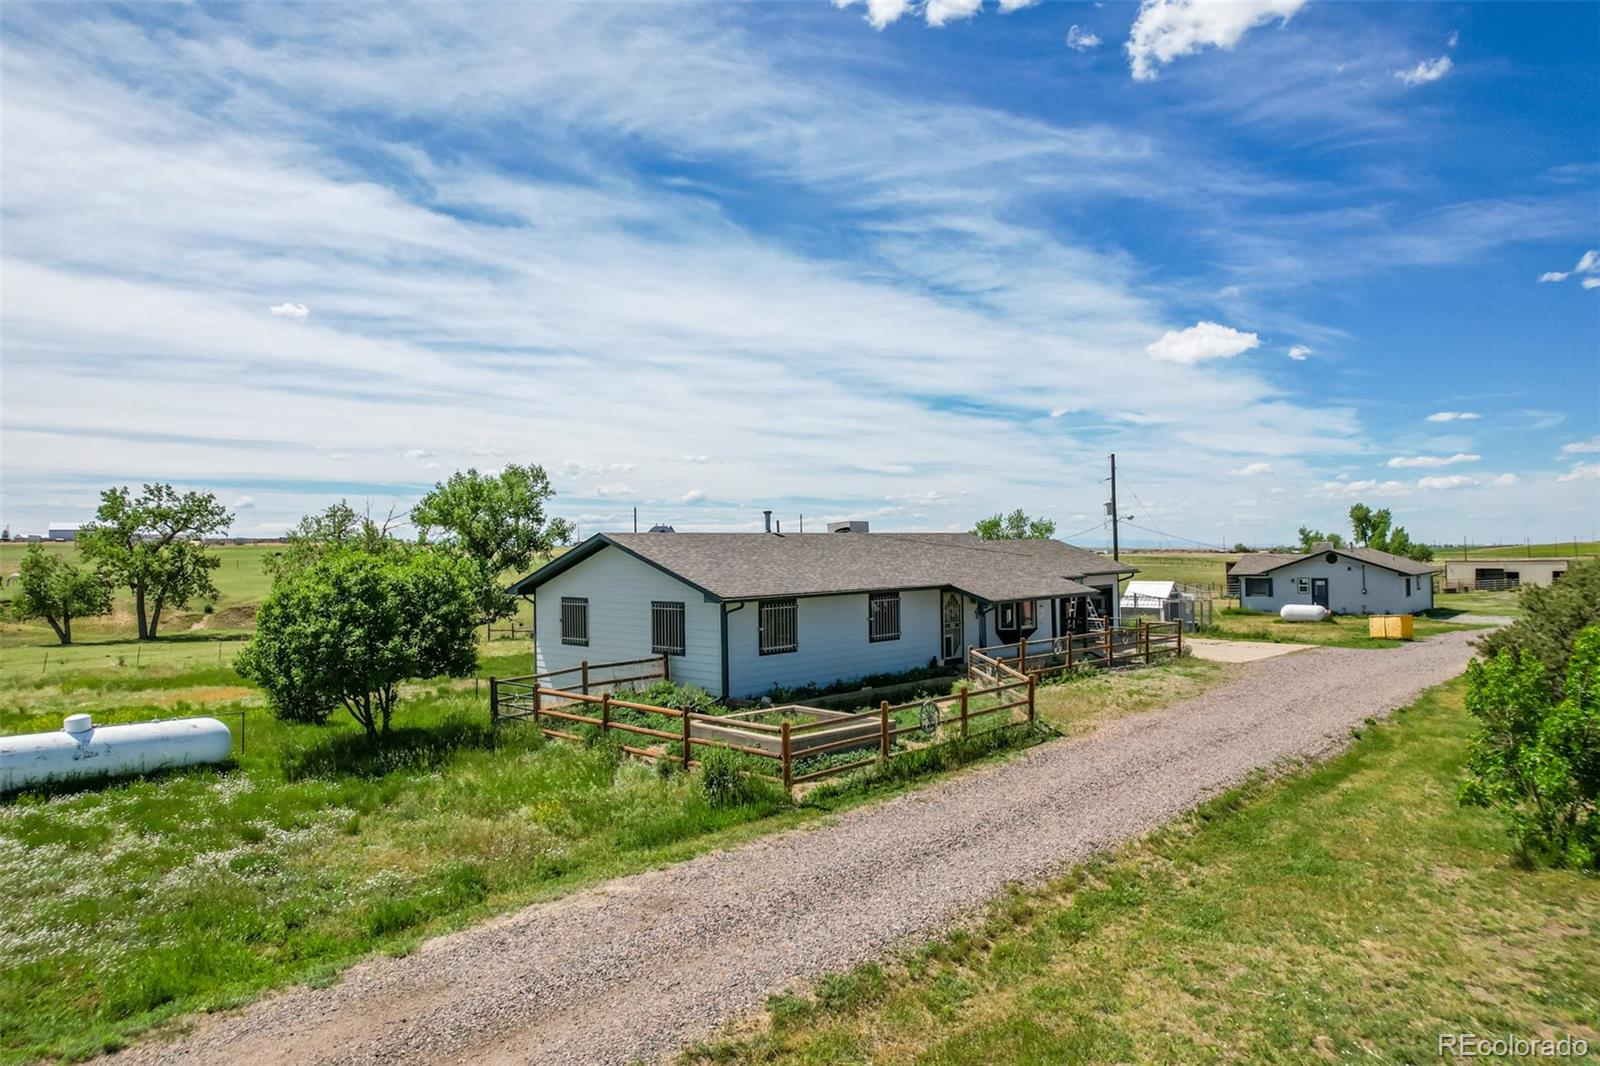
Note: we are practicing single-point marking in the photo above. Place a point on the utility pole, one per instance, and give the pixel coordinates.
(1115, 547)
(636, 519)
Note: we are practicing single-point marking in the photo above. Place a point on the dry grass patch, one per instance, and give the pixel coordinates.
(1088, 700)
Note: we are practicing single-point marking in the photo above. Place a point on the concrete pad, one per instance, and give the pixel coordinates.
(1239, 651)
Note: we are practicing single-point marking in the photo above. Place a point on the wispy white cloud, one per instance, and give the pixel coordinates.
(1453, 416)
(692, 496)
(1504, 481)
(1588, 264)
(882, 13)
(614, 488)
(1541, 419)
(1580, 447)
(1363, 487)
(1425, 71)
(1167, 29)
(1581, 472)
(1201, 342)
(1082, 40)
(1252, 470)
(1448, 481)
(417, 453)
(1299, 352)
(298, 312)
(243, 503)
(1426, 461)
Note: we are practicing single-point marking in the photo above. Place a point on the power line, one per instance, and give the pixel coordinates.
(1173, 536)
(1098, 525)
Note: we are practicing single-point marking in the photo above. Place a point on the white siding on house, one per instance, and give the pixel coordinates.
(1354, 587)
(620, 589)
(833, 643)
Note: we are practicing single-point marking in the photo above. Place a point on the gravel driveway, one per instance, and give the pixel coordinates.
(635, 967)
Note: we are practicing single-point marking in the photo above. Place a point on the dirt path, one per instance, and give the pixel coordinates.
(634, 968)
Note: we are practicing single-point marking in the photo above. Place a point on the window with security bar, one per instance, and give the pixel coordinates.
(883, 616)
(666, 628)
(779, 626)
(575, 621)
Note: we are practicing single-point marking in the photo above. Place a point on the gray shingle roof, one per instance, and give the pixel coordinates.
(1264, 562)
(1260, 563)
(743, 566)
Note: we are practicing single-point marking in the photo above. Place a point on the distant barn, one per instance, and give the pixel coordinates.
(61, 531)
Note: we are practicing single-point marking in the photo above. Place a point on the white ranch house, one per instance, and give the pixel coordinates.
(739, 613)
(1344, 580)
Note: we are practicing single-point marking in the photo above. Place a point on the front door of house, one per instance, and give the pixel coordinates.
(1319, 591)
(954, 628)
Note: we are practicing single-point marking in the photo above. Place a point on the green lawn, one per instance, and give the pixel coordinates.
(1350, 912)
(127, 904)
(1507, 604)
(1342, 630)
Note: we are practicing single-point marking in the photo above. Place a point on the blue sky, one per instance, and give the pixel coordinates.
(914, 263)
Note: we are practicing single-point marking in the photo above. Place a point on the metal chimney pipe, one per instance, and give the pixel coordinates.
(768, 516)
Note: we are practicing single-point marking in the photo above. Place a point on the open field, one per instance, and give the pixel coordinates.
(128, 904)
(1343, 631)
(242, 583)
(1202, 569)
(1350, 912)
(1560, 549)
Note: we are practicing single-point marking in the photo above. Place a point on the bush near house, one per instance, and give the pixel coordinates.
(1552, 617)
(1536, 756)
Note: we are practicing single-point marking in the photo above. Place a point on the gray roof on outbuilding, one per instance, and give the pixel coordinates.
(747, 566)
(1265, 562)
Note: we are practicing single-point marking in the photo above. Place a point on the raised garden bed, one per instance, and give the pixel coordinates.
(849, 727)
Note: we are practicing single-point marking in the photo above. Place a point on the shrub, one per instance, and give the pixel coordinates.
(728, 779)
(1552, 618)
(350, 628)
(1535, 759)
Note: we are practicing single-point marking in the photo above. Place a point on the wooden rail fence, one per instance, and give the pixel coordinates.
(786, 746)
(1106, 649)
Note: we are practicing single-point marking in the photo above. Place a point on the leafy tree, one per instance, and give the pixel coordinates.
(1242, 548)
(1376, 529)
(1552, 618)
(1538, 760)
(338, 528)
(152, 543)
(348, 629)
(1310, 538)
(51, 588)
(1014, 526)
(498, 522)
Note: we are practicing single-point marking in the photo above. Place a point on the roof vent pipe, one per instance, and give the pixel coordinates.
(768, 516)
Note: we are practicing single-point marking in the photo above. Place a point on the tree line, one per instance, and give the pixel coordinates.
(1370, 529)
(152, 544)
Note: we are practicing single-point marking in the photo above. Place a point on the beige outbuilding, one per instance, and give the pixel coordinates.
(1493, 575)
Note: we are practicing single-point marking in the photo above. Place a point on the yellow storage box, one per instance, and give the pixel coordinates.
(1390, 626)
